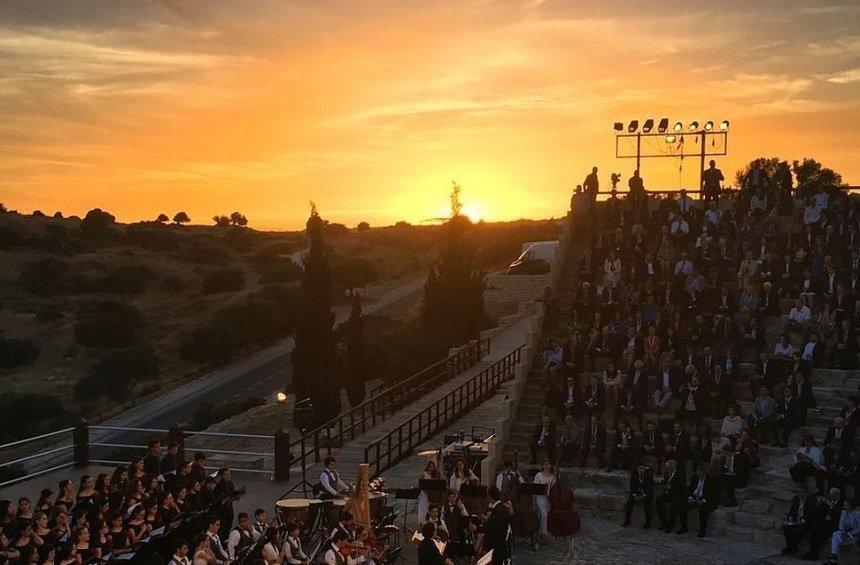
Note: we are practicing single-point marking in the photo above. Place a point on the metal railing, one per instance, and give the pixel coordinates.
(82, 443)
(383, 402)
(399, 443)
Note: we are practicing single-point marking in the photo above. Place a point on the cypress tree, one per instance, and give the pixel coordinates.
(314, 353)
(355, 366)
(453, 308)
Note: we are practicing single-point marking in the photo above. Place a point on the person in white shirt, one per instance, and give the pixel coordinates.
(809, 462)
(783, 349)
(713, 214)
(271, 553)
(679, 227)
(461, 475)
(259, 524)
(684, 202)
(216, 548)
(292, 553)
(507, 476)
(733, 423)
(334, 555)
(180, 555)
(799, 316)
(811, 214)
(684, 267)
(332, 486)
(546, 476)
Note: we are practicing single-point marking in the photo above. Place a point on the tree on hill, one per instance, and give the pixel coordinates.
(238, 219)
(362, 226)
(117, 372)
(812, 177)
(453, 307)
(221, 221)
(314, 356)
(777, 170)
(58, 215)
(162, 218)
(38, 214)
(3, 208)
(356, 373)
(181, 218)
(97, 223)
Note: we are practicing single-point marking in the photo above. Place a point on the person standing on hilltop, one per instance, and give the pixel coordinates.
(591, 184)
(711, 179)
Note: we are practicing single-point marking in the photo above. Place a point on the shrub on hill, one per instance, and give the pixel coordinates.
(45, 277)
(280, 271)
(240, 239)
(17, 352)
(117, 372)
(354, 273)
(97, 223)
(49, 313)
(205, 254)
(237, 329)
(109, 324)
(223, 280)
(171, 283)
(29, 413)
(208, 413)
(129, 278)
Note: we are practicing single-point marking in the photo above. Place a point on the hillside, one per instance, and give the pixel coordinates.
(94, 314)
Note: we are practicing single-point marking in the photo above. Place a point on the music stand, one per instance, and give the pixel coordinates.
(533, 488)
(460, 548)
(407, 494)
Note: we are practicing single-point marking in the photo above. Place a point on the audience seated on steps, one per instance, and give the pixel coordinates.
(678, 310)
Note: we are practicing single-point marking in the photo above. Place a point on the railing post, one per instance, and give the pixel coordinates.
(81, 439)
(474, 352)
(176, 434)
(283, 457)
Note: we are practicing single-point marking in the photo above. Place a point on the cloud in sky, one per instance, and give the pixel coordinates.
(371, 108)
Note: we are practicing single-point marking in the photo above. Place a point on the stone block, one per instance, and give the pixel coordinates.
(742, 533)
(746, 519)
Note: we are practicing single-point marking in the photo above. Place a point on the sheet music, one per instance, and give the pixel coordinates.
(440, 545)
(485, 559)
(153, 533)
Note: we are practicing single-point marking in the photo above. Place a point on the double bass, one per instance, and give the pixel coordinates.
(562, 520)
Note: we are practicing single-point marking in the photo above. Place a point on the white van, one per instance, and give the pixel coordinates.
(536, 259)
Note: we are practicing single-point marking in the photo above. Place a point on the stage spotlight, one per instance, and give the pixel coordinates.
(664, 125)
(618, 126)
(281, 397)
(678, 127)
(694, 125)
(634, 125)
(724, 125)
(671, 139)
(709, 125)
(648, 125)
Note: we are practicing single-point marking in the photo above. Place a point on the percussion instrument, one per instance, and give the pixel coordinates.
(378, 501)
(337, 505)
(294, 510)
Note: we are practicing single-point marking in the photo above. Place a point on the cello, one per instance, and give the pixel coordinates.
(524, 522)
(562, 520)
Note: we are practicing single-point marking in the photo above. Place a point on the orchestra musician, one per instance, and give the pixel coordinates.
(507, 476)
(433, 516)
(345, 525)
(428, 551)
(431, 471)
(341, 551)
(497, 529)
(270, 552)
(454, 515)
(546, 476)
(215, 546)
(461, 475)
(373, 553)
(332, 485)
(292, 553)
(241, 537)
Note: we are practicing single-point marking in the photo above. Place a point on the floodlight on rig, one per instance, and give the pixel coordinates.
(619, 126)
(634, 125)
(648, 125)
(709, 125)
(724, 125)
(694, 125)
(663, 125)
(678, 127)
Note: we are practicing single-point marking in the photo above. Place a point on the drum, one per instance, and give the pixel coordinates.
(378, 501)
(294, 510)
(338, 505)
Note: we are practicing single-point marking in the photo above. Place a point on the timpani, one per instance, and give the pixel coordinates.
(294, 510)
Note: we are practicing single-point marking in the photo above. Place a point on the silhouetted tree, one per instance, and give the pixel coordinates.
(38, 214)
(58, 215)
(117, 372)
(238, 219)
(221, 221)
(97, 223)
(162, 218)
(354, 273)
(313, 356)
(777, 170)
(362, 226)
(181, 218)
(3, 208)
(453, 307)
(812, 176)
(355, 362)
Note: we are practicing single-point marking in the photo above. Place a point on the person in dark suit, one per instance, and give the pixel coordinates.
(629, 406)
(802, 519)
(803, 393)
(569, 397)
(788, 415)
(152, 461)
(650, 445)
(173, 460)
(544, 439)
(496, 528)
(428, 551)
(671, 497)
(718, 391)
(702, 493)
(641, 491)
(678, 446)
(593, 396)
(692, 402)
(594, 441)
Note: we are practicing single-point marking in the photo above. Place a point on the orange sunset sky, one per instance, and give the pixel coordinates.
(372, 108)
